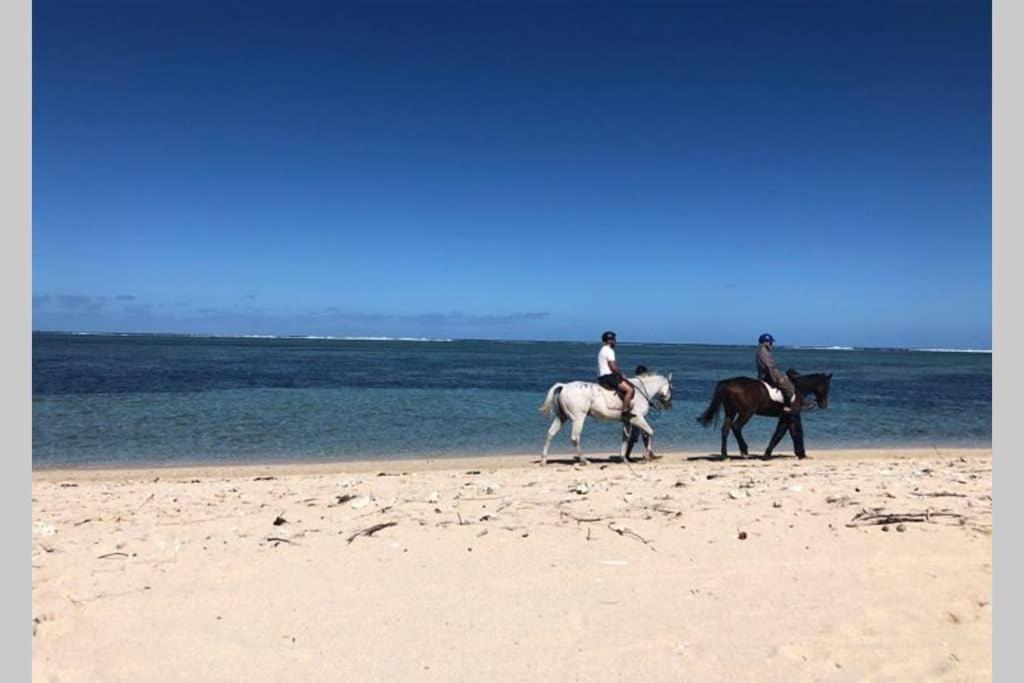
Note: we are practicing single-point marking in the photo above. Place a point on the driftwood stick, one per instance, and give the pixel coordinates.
(938, 494)
(865, 518)
(103, 557)
(370, 531)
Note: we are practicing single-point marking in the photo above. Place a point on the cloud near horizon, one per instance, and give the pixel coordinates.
(71, 312)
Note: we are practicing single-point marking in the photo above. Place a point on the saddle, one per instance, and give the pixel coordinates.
(773, 392)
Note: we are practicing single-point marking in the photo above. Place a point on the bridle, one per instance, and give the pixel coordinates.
(639, 386)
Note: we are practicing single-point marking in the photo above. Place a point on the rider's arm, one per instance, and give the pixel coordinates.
(614, 366)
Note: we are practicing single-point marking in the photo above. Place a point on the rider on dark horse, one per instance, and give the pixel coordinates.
(610, 377)
(768, 372)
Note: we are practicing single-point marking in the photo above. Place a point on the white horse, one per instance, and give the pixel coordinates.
(575, 400)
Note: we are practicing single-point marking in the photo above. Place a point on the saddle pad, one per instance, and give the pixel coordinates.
(611, 397)
(776, 394)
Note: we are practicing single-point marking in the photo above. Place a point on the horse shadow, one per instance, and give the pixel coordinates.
(594, 460)
(718, 457)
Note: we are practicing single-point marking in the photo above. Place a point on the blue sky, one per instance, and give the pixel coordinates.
(693, 172)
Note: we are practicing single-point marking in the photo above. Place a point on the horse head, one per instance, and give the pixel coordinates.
(817, 384)
(821, 391)
(664, 392)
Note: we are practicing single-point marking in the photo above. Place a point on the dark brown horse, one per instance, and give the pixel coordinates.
(743, 397)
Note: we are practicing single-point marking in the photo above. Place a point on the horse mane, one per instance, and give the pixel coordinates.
(649, 375)
(806, 380)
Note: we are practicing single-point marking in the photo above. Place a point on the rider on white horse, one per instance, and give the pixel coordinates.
(610, 377)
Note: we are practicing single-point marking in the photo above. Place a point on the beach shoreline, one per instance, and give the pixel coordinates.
(849, 565)
(500, 461)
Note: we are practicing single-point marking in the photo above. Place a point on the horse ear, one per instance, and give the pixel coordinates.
(670, 377)
(830, 375)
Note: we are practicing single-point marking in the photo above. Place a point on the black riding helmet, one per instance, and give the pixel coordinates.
(607, 335)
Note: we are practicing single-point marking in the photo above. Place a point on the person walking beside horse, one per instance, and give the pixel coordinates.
(634, 434)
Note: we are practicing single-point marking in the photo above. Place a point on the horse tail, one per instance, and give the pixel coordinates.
(553, 392)
(711, 414)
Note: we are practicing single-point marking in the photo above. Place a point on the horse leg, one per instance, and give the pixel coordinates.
(552, 431)
(796, 431)
(577, 430)
(780, 430)
(726, 428)
(737, 430)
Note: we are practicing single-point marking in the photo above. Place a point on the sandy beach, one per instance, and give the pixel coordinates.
(847, 566)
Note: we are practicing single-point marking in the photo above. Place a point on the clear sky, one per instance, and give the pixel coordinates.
(685, 172)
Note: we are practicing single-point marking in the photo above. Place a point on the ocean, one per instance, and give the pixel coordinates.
(101, 400)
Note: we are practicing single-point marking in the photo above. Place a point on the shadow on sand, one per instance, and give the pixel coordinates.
(718, 457)
(594, 460)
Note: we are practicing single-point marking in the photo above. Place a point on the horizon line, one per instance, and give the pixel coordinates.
(324, 337)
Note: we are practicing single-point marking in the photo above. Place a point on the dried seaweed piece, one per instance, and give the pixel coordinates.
(370, 531)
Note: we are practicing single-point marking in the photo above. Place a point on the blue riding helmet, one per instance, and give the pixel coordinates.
(765, 338)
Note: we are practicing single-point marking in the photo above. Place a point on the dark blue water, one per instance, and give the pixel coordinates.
(169, 399)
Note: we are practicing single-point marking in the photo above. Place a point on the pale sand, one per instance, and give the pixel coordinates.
(517, 573)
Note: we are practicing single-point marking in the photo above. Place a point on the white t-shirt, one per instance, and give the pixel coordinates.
(606, 355)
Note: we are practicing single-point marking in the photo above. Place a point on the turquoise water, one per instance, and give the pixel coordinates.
(162, 399)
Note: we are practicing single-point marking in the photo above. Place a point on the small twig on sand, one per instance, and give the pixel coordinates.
(84, 521)
(582, 519)
(938, 494)
(103, 557)
(278, 539)
(145, 501)
(667, 511)
(370, 531)
(625, 531)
